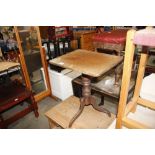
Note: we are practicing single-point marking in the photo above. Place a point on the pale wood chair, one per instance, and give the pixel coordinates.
(145, 38)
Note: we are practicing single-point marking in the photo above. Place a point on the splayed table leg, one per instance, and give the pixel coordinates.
(86, 100)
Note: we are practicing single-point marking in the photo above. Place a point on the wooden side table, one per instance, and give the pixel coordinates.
(90, 118)
(11, 95)
(90, 64)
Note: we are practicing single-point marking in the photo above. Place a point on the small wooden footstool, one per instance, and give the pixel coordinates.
(61, 115)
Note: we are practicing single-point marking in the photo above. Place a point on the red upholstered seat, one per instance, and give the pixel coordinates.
(113, 40)
(115, 37)
(145, 37)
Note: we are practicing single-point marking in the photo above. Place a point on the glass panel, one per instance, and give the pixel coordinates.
(29, 41)
(9, 54)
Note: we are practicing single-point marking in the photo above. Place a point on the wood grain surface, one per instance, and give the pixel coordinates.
(90, 63)
(89, 119)
(6, 65)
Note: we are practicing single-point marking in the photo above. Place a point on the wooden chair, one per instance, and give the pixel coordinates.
(145, 38)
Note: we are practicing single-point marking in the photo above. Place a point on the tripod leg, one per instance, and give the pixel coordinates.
(100, 108)
(77, 114)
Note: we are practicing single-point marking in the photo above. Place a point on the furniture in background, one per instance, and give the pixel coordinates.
(61, 115)
(11, 58)
(59, 32)
(55, 48)
(105, 87)
(12, 55)
(113, 40)
(12, 94)
(5, 66)
(8, 71)
(90, 64)
(146, 38)
(43, 32)
(150, 66)
(84, 39)
(56, 39)
(33, 59)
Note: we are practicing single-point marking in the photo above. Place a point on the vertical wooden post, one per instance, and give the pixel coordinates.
(141, 71)
(127, 68)
(22, 60)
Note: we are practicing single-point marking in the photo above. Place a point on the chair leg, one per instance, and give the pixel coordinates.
(102, 101)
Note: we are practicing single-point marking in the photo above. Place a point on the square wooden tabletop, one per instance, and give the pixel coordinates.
(87, 62)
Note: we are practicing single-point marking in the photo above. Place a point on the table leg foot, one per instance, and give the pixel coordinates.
(101, 109)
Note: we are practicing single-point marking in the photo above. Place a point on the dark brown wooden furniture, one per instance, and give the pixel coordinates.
(90, 64)
(103, 88)
(12, 94)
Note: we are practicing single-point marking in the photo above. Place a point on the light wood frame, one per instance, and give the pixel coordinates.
(47, 92)
(124, 109)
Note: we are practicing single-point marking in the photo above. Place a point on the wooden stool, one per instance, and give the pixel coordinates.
(89, 119)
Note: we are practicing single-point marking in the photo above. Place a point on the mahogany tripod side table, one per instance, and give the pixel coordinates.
(90, 64)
